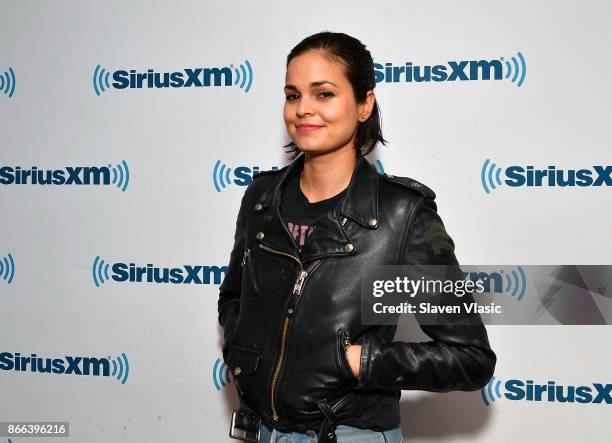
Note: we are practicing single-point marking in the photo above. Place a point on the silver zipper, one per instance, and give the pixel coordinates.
(346, 341)
(297, 289)
(268, 248)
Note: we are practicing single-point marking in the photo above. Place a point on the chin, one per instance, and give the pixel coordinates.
(312, 150)
(309, 146)
(307, 150)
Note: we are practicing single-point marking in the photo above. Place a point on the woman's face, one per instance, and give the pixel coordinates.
(321, 113)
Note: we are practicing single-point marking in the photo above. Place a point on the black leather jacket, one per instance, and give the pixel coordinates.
(284, 319)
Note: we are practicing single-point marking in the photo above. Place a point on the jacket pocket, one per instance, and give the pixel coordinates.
(344, 407)
(242, 361)
(249, 281)
(344, 366)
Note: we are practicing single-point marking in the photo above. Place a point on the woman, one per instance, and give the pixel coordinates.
(305, 367)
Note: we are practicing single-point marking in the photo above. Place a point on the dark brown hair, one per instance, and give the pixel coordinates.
(359, 69)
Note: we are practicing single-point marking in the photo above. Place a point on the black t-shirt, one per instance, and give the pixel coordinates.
(300, 215)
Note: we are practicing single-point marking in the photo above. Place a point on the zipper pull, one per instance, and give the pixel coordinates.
(298, 284)
(244, 256)
(346, 342)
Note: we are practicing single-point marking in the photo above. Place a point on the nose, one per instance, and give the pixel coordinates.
(304, 107)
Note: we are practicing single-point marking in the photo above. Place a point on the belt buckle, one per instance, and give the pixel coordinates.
(245, 426)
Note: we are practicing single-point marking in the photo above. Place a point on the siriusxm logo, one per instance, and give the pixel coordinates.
(515, 281)
(118, 175)
(515, 176)
(514, 70)
(223, 176)
(241, 76)
(7, 82)
(597, 393)
(7, 268)
(68, 365)
(186, 274)
(220, 374)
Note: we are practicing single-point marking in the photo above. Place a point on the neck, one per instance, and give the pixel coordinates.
(326, 175)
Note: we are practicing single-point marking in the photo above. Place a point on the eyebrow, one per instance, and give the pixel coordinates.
(312, 85)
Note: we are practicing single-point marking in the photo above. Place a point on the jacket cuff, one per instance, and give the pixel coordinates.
(377, 370)
(368, 349)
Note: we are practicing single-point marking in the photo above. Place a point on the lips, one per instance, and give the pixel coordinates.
(307, 127)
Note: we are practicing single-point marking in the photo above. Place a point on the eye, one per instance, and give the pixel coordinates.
(327, 92)
(290, 97)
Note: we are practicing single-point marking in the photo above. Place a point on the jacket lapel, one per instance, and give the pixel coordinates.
(329, 238)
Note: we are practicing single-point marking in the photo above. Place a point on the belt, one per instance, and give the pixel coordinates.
(327, 433)
(327, 430)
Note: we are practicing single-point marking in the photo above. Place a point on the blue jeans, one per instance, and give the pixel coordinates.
(344, 434)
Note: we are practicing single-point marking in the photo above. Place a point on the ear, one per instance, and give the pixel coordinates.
(365, 108)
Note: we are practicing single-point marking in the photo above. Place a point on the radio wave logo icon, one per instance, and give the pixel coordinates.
(221, 176)
(517, 69)
(99, 271)
(490, 176)
(7, 82)
(516, 283)
(220, 374)
(100, 80)
(491, 391)
(121, 368)
(244, 75)
(121, 175)
(7, 268)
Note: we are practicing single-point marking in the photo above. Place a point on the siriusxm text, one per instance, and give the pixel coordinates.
(551, 176)
(187, 274)
(455, 70)
(551, 392)
(79, 175)
(69, 365)
(189, 77)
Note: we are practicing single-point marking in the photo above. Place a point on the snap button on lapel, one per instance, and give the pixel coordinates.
(348, 247)
(237, 371)
(373, 221)
(258, 207)
(260, 235)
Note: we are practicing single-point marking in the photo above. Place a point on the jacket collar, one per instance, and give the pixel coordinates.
(359, 204)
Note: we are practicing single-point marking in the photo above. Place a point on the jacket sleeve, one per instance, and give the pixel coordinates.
(228, 305)
(458, 358)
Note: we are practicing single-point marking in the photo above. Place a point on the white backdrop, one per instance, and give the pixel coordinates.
(169, 213)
